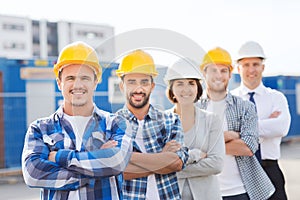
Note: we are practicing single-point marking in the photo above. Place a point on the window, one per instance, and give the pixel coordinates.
(90, 34)
(13, 27)
(13, 46)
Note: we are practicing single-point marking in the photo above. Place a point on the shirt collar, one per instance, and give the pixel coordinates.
(60, 112)
(259, 90)
(152, 113)
(228, 98)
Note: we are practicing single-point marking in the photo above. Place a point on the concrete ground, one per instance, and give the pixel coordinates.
(290, 165)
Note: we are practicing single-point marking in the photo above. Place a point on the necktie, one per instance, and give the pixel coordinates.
(257, 153)
(251, 98)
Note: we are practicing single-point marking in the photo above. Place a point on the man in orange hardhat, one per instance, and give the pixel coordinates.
(242, 176)
(80, 151)
(158, 146)
(274, 117)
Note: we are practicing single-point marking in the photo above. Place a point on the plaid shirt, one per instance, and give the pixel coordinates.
(159, 128)
(96, 173)
(241, 117)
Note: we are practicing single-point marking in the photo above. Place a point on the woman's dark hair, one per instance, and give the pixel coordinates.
(171, 95)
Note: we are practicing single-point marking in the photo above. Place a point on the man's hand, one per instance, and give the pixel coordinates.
(52, 155)
(195, 155)
(109, 144)
(275, 114)
(171, 146)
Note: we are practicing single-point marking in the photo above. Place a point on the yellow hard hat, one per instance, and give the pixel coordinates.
(217, 56)
(137, 61)
(78, 53)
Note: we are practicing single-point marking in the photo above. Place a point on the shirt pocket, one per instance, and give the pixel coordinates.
(54, 141)
(96, 141)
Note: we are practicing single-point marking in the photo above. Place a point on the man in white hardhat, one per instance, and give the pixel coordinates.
(272, 110)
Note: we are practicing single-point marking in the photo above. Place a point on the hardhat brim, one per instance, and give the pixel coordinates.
(96, 67)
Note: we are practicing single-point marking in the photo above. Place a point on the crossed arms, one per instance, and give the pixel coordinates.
(145, 164)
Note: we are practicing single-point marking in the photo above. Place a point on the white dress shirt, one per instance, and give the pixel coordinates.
(271, 130)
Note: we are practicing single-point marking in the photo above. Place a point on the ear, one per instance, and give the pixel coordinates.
(121, 86)
(238, 68)
(58, 82)
(95, 85)
(204, 74)
(263, 67)
(152, 86)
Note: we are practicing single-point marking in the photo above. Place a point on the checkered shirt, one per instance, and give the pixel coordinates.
(159, 128)
(96, 173)
(241, 117)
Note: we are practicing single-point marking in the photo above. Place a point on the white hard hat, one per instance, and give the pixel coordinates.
(250, 49)
(182, 69)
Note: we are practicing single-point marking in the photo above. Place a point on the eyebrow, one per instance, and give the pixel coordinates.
(76, 76)
(140, 80)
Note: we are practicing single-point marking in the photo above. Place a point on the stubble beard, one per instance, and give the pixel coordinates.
(143, 103)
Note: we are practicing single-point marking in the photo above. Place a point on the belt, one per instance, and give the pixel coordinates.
(268, 163)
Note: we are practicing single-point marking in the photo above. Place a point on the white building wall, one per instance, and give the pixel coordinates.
(98, 36)
(15, 37)
(43, 40)
(63, 29)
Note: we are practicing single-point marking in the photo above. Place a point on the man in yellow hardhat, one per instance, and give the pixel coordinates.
(80, 151)
(158, 145)
(272, 107)
(242, 176)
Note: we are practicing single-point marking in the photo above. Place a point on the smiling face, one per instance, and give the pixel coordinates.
(77, 83)
(250, 70)
(217, 77)
(137, 88)
(185, 91)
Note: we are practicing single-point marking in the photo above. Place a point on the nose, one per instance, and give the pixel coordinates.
(252, 68)
(138, 88)
(187, 87)
(218, 74)
(77, 82)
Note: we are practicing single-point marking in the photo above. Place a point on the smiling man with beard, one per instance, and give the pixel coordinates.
(158, 145)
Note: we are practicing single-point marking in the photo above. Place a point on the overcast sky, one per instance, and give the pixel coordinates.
(225, 23)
